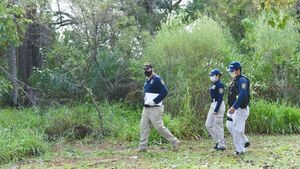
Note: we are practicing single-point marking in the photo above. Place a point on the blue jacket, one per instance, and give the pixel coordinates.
(239, 93)
(156, 85)
(217, 93)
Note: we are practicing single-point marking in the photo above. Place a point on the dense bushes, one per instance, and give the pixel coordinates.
(272, 58)
(273, 118)
(5, 87)
(183, 54)
(59, 83)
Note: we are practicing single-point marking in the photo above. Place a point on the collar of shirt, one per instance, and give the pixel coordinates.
(216, 82)
(237, 77)
(148, 79)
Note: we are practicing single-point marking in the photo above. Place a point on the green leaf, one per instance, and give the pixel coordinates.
(271, 23)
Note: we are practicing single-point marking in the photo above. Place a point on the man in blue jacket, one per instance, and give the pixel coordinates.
(155, 91)
(238, 101)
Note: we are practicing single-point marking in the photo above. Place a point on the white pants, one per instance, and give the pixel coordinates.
(214, 124)
(237, 128)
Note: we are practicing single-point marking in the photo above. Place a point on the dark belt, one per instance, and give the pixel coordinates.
(229, 119)
(148, 106)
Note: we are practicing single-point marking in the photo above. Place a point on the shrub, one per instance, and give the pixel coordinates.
(74, 122)
(183, 54)
(273, 118)
(273, 59)
(21, 135)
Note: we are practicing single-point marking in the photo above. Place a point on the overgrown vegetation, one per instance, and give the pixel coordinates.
(183, 54)
(273, 118)
(64, 63)
(31, 132)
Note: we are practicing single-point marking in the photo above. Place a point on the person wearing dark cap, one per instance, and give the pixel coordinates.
(214, 121)
(155, 91)
(238, 101)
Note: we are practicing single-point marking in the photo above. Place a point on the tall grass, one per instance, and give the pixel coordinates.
(25, 133)
(21, 134)
(273, 118)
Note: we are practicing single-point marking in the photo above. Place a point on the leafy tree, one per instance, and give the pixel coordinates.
(12, 24)
(279, 11)
(231, 12)
(273, 58)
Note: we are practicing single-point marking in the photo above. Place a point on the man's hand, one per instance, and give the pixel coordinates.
(215, 113)
(231, 110)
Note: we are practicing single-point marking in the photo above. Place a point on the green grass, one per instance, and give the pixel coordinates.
(21, 135)
(25, 133)
(273, 118)
(265, 152)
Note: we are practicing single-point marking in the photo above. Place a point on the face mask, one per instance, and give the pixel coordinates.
(233, 75)
(148, 73)
(213, 78)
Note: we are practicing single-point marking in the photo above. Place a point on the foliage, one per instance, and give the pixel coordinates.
(12, 24)
(273, 118)
(59, 83)
(272, 58)
(275, 8)
(5, 86)
(231, 12)
(99, 62)
(21, 135)
(183, 55)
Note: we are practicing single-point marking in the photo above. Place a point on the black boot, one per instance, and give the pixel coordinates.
(216, 146)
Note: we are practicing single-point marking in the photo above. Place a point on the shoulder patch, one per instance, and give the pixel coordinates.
(221, 90)
(213, 87)
(152, 81)
(244, 85)
(162, 82)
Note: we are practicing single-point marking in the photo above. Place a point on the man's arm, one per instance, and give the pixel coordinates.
(220, 98)
(243, 85)
(163, 90)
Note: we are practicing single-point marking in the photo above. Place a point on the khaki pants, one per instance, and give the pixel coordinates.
(214, 124)
(154, 116)
(237, 128)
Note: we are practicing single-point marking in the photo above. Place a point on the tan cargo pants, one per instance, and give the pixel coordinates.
(154, 116)
(214, 124)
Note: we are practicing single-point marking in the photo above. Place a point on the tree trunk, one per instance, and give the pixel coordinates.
(12, 63)
(298, 9)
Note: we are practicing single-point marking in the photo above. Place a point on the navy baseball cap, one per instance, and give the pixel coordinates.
(234, 66)
(215, 72)
(148, 66)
